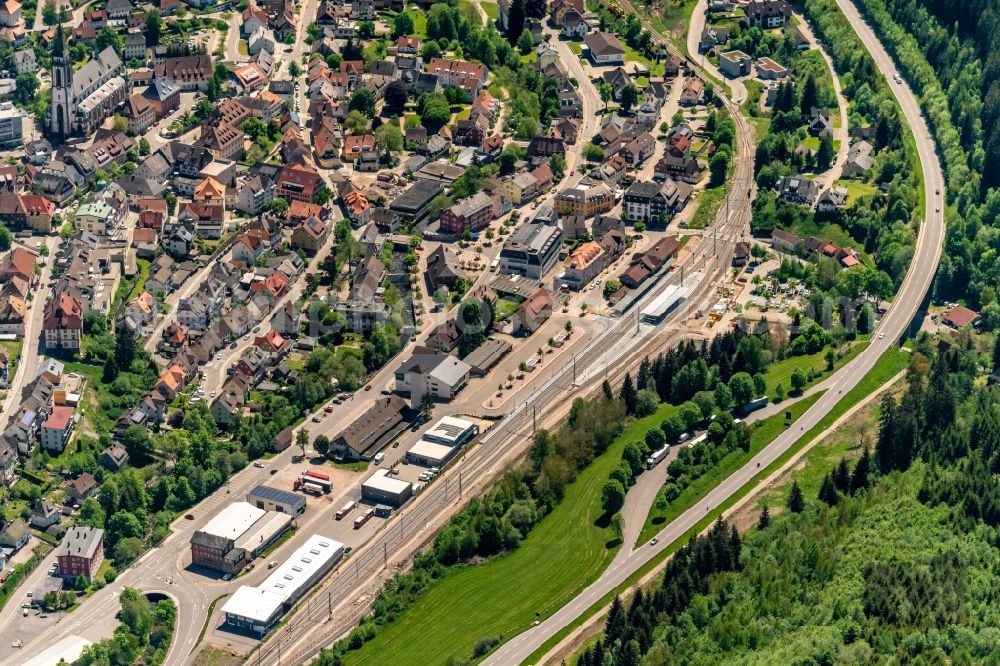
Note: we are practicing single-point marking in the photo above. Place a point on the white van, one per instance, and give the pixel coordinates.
(379, 457)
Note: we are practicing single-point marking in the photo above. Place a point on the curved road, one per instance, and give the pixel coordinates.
(894, 323)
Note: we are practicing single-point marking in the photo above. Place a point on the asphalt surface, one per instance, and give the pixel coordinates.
(908, 300)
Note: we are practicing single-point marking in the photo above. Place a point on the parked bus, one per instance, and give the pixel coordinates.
(346, 509)
(363, 518)
(657, 456)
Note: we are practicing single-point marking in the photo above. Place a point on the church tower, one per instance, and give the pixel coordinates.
(63, 107)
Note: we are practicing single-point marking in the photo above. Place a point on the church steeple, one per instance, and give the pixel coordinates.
(58, 47)
(63, 106)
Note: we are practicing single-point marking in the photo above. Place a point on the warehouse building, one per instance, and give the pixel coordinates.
(259, 608)
(486, 356)
(384, 489)
(431, 454)
(442, 442)
(235, 536)
(282, 501)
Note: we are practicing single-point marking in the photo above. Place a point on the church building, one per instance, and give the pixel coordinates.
(83, 100)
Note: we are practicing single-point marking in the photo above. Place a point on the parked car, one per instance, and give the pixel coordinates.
(259, 465)
(189, 516)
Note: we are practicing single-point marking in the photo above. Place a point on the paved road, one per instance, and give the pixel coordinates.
(694, 37)
(908, 300)
(828, 177)
(31, 350)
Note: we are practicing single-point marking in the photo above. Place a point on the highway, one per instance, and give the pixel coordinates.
(908, 300)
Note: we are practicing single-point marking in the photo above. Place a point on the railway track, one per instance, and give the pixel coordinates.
(311, 625)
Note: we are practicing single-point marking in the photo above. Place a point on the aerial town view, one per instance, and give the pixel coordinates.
(568, 332)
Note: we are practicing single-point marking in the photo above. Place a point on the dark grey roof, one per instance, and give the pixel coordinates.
(277, 495)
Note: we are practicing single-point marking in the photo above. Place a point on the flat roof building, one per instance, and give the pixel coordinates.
(532, 250)
(412, 205)
(273, 499)
(382, 488)
(431, 454)
(236, 535)
(452, 431)
(259, 608)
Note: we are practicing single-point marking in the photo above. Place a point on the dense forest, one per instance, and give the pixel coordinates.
(896, 560)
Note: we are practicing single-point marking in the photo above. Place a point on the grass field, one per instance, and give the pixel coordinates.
(856, 189)
(575, 47)
(763, 434)
(490, 9)
(781, 372)
(532, 582)
(708, 205)
(419, 22)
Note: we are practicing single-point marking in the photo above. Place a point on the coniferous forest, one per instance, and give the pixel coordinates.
(896, 560)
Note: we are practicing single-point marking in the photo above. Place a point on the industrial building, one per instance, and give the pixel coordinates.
(236, 535)
(442, 442)
(384, 489)
(259, 608)
(273, 499)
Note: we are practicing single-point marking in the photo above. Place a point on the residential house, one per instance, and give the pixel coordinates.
(797, 189)
(860, 160)
(586, 199)
(82, 487)
(692, 92)
(56, 429)
(443, 269)
(586, 263)
(309, 235)
(62, 323)
(532, 313)
(470, 214)
(604, 48)
(767, 13)
(655, 203)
